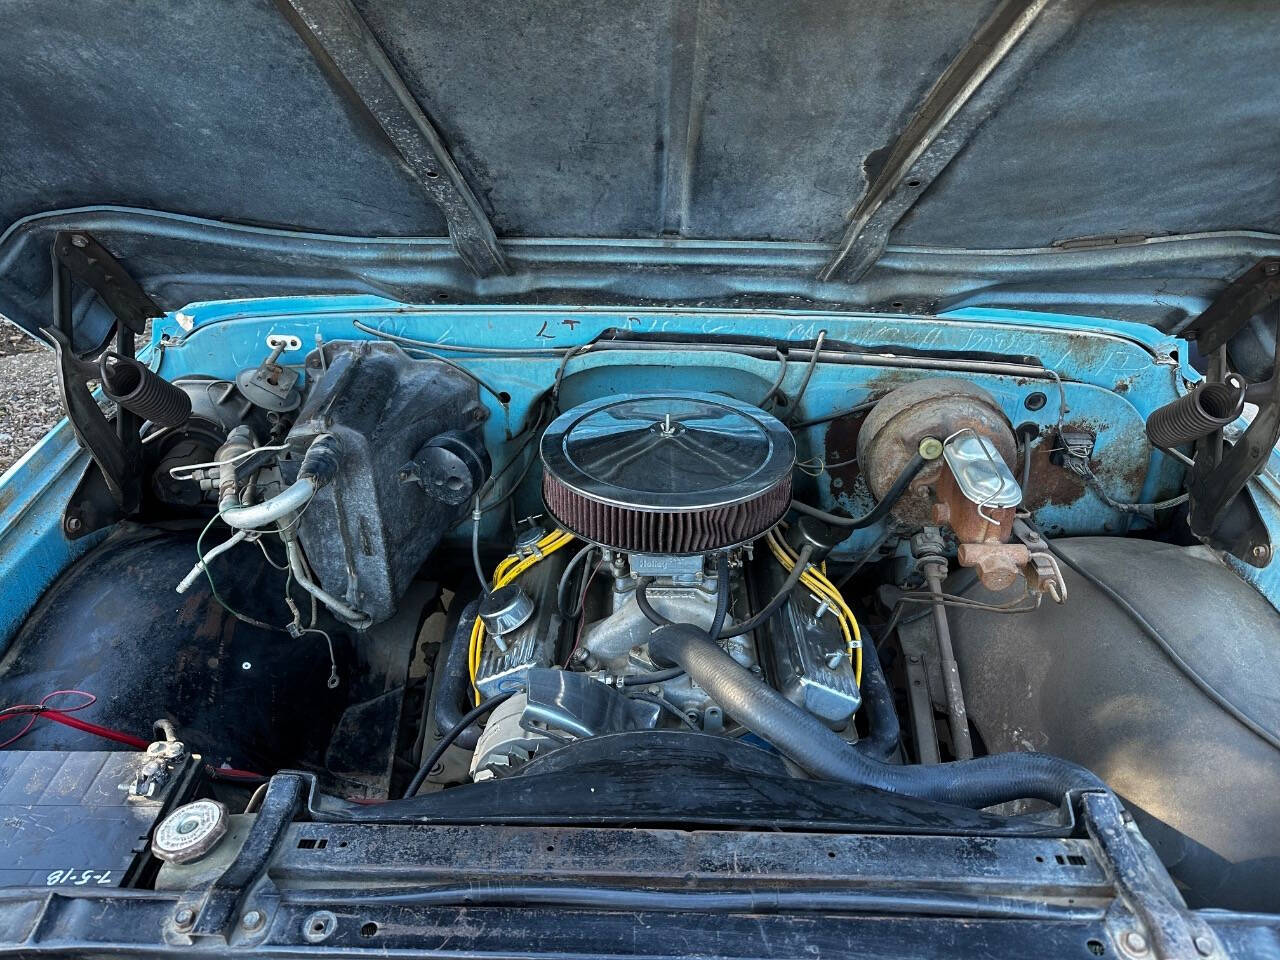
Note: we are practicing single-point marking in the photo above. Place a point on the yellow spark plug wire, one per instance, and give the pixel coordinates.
(506, 572)
(825, 590)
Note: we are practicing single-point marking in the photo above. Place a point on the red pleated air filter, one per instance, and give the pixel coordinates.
(670, 473)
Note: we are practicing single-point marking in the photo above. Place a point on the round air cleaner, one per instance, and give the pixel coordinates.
(677, 473)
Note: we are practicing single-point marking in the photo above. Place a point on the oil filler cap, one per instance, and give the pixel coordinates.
(190, 832)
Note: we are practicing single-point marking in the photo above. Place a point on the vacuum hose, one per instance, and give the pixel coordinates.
(456, 679)
(805, 740)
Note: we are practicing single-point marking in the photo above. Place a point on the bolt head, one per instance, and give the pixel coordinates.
(1204, 946)
(74, 524)
(252, 920)
(1260, 551)
(184, 917)
(1135, 942)
(166, 749)
(79, 240)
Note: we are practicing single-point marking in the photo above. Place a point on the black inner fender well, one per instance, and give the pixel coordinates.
(1164, 680)
(112, 625)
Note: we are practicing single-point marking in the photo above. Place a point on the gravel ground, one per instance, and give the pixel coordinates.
(29, 403)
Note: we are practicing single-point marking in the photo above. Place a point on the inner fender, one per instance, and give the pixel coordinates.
(1086, 682)
(113, 626)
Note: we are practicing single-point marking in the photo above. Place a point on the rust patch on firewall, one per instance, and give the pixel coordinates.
(1051, 484)
(840, 445)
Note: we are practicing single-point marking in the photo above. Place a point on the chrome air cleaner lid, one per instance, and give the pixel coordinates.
(667, 473)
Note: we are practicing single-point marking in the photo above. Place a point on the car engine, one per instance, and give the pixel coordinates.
(662, 513)
(663, 501)
(665, 509)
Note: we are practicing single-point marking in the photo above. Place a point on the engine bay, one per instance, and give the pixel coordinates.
(659, 509)
(666, 480)
(418, 568)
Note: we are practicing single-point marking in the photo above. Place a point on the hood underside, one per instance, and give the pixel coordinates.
(1111, 158)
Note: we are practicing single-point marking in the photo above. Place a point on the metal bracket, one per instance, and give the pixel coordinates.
(349, 51)
(1042, 572)
(112, 488)
(923, 729)
(1221, 512)
(78, 257)
(95, 432)
(214, 914)
(284, 341)
(1155, 923)
(1246, 296)
(968, 92)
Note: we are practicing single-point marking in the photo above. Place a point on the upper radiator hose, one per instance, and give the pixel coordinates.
(805, 740)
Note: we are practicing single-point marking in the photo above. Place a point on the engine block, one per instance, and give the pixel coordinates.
(800, 650)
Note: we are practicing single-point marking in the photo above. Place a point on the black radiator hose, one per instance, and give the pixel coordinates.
(882, 719)
(456, 681)
(802, 738)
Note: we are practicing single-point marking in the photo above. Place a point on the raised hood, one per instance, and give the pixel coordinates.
(1112, 158)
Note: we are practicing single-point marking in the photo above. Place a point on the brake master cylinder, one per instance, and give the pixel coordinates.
(967, 485)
